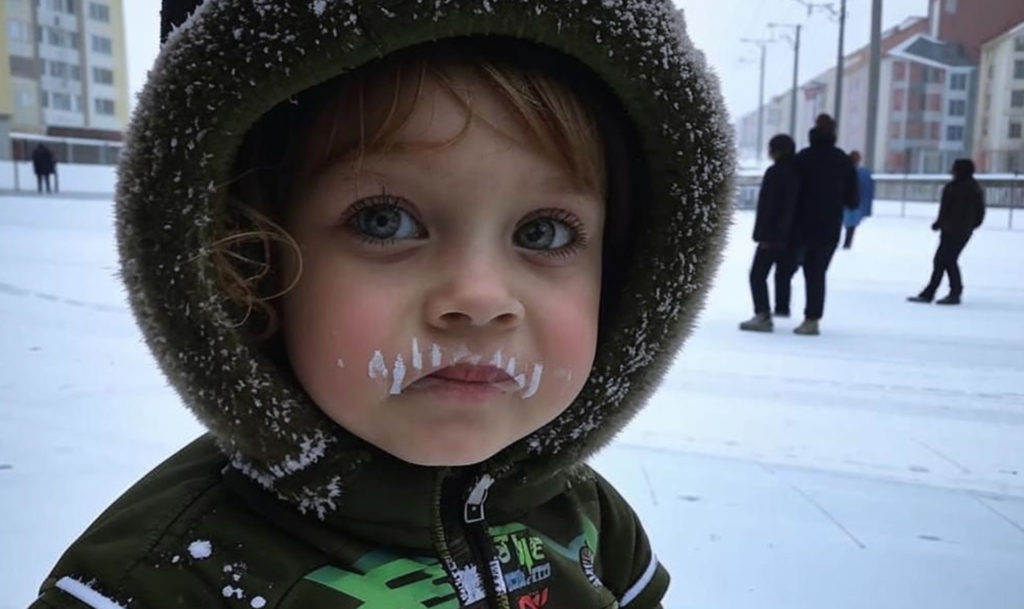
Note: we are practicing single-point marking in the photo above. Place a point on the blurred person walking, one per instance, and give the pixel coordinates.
(961, 211)
(44, 165)
(866, 191)
(776, 205)
(828, 184)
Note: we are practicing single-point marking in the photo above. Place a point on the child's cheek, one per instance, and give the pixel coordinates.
(569, 334)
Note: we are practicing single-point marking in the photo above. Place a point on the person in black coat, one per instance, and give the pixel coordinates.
(43, 164)
(776, 204)
(828, 184)
(961, 211)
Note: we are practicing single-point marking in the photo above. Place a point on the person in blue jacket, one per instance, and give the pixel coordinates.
(866, 188)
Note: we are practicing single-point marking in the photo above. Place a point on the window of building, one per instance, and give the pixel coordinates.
(102, 44)
(951, 6)
(957, 107)
(894, 130)
(899, 70)
(79, 104)
(1017, 99)
(1018, 43)
(955, 133)
(102, 76)
(933, 129)
(26, 67)
(915, 130)
(932, 74)
(44, 99)
(104, 106)
(99, 12)
(958, 82)
(19, 31)
(934, 102)
(897, 99)
(1018, 69)
(58, 69)
(60, 6)
(60, 101)
(1014, 133)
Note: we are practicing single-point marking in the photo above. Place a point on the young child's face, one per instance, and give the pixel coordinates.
(448, 300)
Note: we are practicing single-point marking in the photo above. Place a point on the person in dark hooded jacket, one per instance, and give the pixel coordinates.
(43, 165)
(411, 264)
(961, 211)
(773, 232)
(828, 184)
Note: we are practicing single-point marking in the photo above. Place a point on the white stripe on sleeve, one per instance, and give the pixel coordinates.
(635, 590)
(86, 594)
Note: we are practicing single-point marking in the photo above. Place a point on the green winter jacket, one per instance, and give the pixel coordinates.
(279, 507)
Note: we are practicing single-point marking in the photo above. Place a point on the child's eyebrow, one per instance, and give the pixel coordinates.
(554, 182)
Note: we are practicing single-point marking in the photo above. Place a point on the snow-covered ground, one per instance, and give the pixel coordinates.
(879, 465)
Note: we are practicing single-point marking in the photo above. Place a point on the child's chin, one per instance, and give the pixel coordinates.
(450, 455)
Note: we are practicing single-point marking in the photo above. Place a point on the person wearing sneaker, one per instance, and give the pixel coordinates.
(961, 211)
(828, 184)
(776, 204)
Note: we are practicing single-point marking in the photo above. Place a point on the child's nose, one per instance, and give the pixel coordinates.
(473, 293)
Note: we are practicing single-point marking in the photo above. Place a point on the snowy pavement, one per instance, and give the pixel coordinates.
(879, 465)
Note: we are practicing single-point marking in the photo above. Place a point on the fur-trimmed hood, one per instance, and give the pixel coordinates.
(232, 61)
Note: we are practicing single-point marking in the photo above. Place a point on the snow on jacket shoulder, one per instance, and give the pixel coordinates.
(214, 539)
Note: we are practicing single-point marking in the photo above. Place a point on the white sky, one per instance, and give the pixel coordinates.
(716, 27)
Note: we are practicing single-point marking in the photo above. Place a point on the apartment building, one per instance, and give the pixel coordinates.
(65, 81)
(951, 84)
(926, 107)
(999, 128)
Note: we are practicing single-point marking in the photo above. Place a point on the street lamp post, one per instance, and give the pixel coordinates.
(873, 76)
(795, 41)
(762, 43)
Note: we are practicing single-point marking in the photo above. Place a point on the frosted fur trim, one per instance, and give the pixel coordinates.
(86, 594)
(233, 60)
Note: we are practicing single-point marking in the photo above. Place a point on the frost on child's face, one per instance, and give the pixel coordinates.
(448, 300)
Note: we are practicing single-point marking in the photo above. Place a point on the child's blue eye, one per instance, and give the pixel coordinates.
(384, 219)
(544, 234)
(551, 232)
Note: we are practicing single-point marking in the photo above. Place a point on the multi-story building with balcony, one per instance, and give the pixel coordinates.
(65, 81)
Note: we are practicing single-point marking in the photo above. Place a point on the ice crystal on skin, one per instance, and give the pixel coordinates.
(257, 602)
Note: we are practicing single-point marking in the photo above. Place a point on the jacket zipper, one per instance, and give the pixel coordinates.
(474, 527)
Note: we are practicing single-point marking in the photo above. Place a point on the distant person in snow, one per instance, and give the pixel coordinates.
(411, 266)
(866, 192)
(828, 184)
(44, 165)
(773, 232)
(961, 211)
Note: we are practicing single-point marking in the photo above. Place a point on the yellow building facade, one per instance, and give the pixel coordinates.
(65, 78)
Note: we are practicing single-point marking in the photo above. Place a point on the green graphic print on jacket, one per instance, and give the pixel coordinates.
(278, 506)
(216, 540)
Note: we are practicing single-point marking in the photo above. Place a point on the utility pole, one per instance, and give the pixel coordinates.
(873, 76)
(829, 6)
(839, 61)
(760, 95)
(795, 41)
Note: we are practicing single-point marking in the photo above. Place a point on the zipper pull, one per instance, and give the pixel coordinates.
(474, 507)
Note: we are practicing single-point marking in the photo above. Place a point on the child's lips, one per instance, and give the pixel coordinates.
(468, 379)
